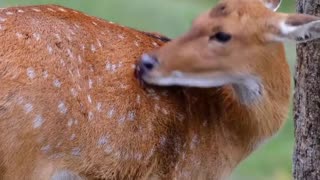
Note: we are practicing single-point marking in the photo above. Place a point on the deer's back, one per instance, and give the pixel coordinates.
(68, 97)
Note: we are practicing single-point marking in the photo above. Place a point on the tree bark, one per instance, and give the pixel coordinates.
(307, 103)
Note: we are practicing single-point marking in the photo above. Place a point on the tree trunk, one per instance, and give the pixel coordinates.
(307, 103)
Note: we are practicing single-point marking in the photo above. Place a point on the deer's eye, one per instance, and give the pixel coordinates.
(221, 37)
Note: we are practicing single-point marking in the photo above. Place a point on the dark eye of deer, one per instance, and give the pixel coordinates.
(221, 37)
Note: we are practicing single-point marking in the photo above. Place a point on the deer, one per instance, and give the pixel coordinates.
(84, 98)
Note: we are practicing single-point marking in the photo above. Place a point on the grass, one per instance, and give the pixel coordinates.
(173, 17)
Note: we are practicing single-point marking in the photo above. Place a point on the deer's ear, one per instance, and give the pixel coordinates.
(272, 4)
(296, 27)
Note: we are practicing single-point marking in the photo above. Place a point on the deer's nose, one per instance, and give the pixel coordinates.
(148, 63)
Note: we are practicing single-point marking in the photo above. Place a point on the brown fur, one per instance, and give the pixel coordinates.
(54, 119)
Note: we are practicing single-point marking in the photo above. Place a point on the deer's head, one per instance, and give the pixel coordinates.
(227, 45)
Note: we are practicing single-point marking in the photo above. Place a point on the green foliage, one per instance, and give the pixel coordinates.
(173, 17)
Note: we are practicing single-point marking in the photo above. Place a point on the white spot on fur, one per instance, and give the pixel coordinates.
(138, 99)
(36, 36)
(89, 99)
(46, 148)
(93, 48)
(20, 11)
(31, 73)
(3, 19)
(102, 141)
(72, 137)
(90, 116)
(58, 37)
(79, 59)
(110, 113)
(120, 36)
(70, 122)
(90, 82)
(94, 23)
(122, 119)
(70, 54)
(99, 43)
(50, 9)
(19, 35)
(136, 43)
(38, 121)
(62, 108)
(56, 83)
(131, 116)
(50, 50)
(36, 10)
(155, 44)
(99, 105)
(62, 10)
(28, 108)
(76, 151)
(74, 92)
(9, 13)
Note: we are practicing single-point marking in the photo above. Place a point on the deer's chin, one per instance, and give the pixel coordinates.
(188, 80)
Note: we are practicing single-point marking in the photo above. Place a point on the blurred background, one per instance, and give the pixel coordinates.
(271, 161)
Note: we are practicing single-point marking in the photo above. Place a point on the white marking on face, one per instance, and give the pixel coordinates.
(36, 36)
(38, 121)
(62, 108)
(28, 108)
(31, 73)
(76, 151)
(56, 83)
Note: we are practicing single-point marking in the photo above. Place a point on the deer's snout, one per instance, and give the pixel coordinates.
(146, 64)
